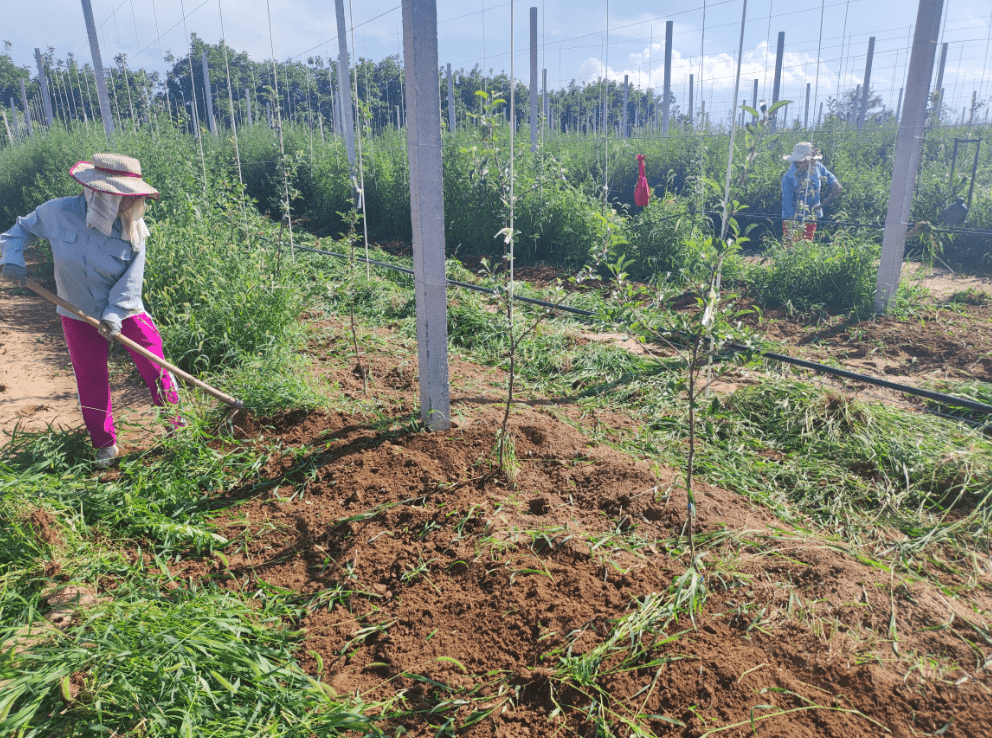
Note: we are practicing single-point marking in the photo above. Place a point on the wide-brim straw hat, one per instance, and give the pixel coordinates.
(113, 173)
(801, 152)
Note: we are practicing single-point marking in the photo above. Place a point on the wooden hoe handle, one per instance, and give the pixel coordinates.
(188, 378)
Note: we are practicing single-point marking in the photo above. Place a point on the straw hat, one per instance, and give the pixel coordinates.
(113, 173)
(801, 152)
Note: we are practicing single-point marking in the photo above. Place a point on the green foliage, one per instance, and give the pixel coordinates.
(661, 241)
(838, 277)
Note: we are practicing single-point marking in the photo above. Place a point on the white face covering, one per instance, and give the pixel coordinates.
(102, 210)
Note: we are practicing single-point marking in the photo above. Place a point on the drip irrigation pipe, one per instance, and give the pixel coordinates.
(879, 226)
(939, 397)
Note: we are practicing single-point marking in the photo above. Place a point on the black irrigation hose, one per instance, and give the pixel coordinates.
(878, 226)
(940, 397)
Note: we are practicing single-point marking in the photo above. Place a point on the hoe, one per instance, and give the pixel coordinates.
(188, 378)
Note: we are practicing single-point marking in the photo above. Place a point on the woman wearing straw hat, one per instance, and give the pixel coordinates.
(801, 192)
(98, 247)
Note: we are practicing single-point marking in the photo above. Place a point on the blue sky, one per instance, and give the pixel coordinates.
(572, 35)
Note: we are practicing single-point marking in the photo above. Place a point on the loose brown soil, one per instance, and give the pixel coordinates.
(941, 344)
(434, 583)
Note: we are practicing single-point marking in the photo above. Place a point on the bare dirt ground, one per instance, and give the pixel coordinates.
(461, 598)
(37, 386)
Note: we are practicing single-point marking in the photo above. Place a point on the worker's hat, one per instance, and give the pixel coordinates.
(113, 173)
(802, 151)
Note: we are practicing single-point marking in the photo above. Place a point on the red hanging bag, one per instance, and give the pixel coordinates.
(642, 193)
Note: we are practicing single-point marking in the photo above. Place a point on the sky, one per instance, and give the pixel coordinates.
(579, 40)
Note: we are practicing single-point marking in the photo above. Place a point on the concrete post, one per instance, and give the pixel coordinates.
(10, 136)
(806, 114)
(451, 103)
(754, 99)
(27, 109)
(669, 25)
(866, 86)
(545, 101)
(780, 52)
(17, 127)
(626, 88)
(427, 208)
(398, 117)
(909, 143)
(533, 80)
(939, 86)
(208, 95)
(692, 109)
(46, 100)
(971, 117)
(899, 105)
(338, 130)
(819, 116)
(347, 121)
(251, 121)
(101, 82)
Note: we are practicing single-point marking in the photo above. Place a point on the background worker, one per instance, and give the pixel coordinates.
(801, 204)
(98, 249)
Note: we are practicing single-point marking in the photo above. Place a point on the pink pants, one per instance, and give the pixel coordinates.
(89, 351)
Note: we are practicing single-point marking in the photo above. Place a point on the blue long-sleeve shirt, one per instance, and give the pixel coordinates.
(801, 191)
(101, 275)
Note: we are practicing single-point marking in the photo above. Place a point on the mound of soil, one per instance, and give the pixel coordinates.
(472, 605)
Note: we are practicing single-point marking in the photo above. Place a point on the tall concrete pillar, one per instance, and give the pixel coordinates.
(427, 208)
(17, 128)
(806, 114)
(533, 79)
(546, 101)
(939, 86)
(451, 103)
(779, 54)
(344, 80)
(692, 109)
(208, 95)
(626, 89)
(909, 144)
(46, 100)
(866, 86)
(101, 82)
(27, 110)
(669, 25)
